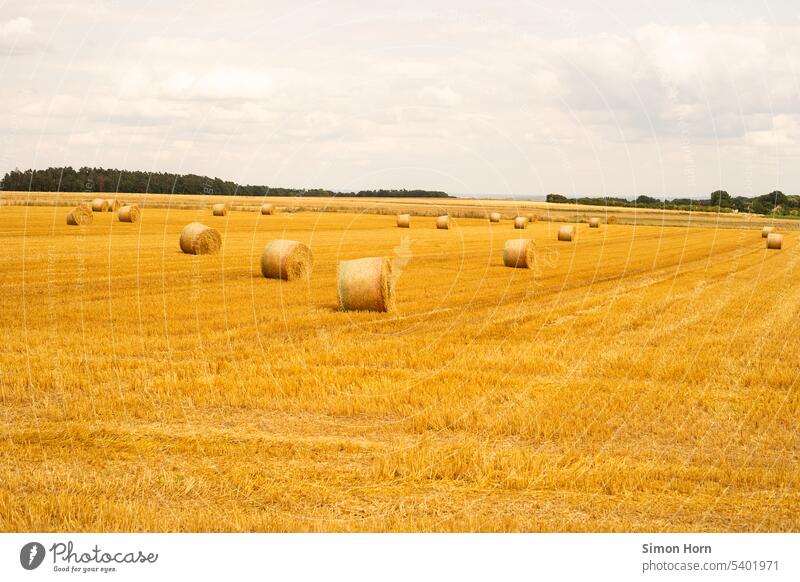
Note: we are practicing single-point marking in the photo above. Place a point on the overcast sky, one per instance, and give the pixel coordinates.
(503, 98)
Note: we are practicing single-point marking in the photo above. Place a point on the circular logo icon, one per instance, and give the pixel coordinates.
(31, 555)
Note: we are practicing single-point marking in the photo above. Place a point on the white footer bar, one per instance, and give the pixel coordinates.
(401, 557)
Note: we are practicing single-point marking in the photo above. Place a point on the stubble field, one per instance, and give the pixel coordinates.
(643, 378)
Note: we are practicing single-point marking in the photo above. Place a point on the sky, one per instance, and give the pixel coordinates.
(511, 99)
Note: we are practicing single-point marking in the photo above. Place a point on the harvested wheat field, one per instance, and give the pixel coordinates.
(642, 378)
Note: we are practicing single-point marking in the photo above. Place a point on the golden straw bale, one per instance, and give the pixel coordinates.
(113, 205)
(774, 240)
(521, 222)
(267, 209)
(766, 230)
(286, 259)
(366, 285)
(99, 205)
(403, 221)
(220, 209)
(566, 233)
(443, 222)
(594, 222)
(519, 253)
(199, 239)
(129, 213)
(81, 215)
(494, 217)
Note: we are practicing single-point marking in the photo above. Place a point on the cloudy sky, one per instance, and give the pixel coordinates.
(503, 98)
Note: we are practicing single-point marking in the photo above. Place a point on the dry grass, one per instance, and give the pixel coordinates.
(640, 379)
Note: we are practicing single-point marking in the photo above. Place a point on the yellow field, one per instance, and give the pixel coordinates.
(456, 207)
(641, 379)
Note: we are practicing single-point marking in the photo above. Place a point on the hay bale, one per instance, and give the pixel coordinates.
(443, 222)
(594, 222)
(766, 230)
(220, 209)
(521, 222)
(611, 220)
(566, 233)
(774, 240)
(494, 217)
(366, 285)
(199, 239)
(533, 217)
(267, 209)
(113, 205)
(519, 253)
(286, 259)
(81, 215)
(403, 221)
(99, 205)
(129, 213)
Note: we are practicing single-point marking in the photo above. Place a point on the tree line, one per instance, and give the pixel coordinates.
(775, 202)
(86, 179)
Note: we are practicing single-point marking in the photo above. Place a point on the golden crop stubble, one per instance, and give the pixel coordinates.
(587, 395)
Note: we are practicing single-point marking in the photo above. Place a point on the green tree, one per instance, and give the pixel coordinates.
(720, 198)
(647, 201)
(777, 198)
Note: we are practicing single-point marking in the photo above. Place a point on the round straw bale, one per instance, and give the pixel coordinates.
(521, 222)
(594, 222)
(611, 220)
(443, 222)
(286, 259)
(220, 209)
(519, 253)
(494, 217)
(403, 221)
(80, 215)
(533, 217)
(129, 213)
(766, 230)
(99, 205)
(566, 232)
(267, 209)
(199, 239)
(366, 285)
(774, 240)
(114, 205)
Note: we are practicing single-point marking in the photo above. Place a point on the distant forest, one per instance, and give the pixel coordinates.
(111, 180)
(719, 201)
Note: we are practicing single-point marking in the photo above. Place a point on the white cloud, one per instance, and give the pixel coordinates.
(16, 35)
(219, 83)
(443, 96)
(512, 99)
(16, 28)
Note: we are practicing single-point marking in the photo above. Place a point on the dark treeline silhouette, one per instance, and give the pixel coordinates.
(773, 203)
(112, 180)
